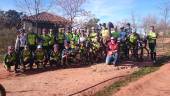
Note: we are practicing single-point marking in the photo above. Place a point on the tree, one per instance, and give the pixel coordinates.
(83, 19)
(33, 7)
(13, 18)
(165, 12)
(92, 23)
(10, 18)
(149, 21)
(71, 8)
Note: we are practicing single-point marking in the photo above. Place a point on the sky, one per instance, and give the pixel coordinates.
(109, 10)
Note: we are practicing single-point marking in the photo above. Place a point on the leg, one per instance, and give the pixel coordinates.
(31, 62)
(45, 63)
(37, 63)
(51, 63)
(126, 50)
(115, 56)
(63, 61)
(136, 52)
(8, 66)
(141, 53)
(152, 47)
(108, 60)
(23, 65)
(16, 67)
(147, 50)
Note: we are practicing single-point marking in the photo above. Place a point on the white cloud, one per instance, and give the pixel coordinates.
(109, 9)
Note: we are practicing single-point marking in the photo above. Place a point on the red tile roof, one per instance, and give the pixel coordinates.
(47, 17)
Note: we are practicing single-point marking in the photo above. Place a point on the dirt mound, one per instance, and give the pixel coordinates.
(155, 84)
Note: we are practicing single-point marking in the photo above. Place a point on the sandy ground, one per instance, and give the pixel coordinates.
(61, 82)
(154, 84)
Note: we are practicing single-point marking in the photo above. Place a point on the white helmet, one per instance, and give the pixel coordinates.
(39, 46)
(134, 30)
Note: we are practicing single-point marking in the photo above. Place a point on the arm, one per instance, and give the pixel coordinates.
(63, 54)
(5, 59)
(17, 44)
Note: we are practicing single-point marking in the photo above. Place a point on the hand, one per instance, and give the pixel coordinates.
(114, 51)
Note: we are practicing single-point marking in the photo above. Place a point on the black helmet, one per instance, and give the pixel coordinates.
(104, 24)
(128, 24)
(110, 25)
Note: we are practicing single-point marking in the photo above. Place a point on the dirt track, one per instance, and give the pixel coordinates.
(155, 84)
(64, 82)
(59, 82)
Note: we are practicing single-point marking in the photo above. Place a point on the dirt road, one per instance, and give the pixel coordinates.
(61, 82)
(155, 84)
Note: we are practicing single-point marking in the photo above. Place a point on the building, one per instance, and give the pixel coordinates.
(44, 20)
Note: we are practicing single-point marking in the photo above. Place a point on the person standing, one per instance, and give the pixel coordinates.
(45, 43)
(61, 38)
(82, 38)
(19, 44)
(68, 35)
(32, 40)
(52, 39)
(123, 47)
(114, 32)
(133, 43)
(20, 41)
(76, 36)
(128, 29)
(151, 37)
(105, 33)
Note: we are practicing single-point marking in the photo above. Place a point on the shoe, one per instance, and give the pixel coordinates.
(115, 63)
(16, 71)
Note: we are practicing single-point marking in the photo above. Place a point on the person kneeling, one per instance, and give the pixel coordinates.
(40, 58)
(66, 55)
(26, 58)
(10, 59)
(55, 56)
(112, 54)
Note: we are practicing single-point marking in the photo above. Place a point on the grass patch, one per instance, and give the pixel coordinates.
(133, 77)
(108, 91)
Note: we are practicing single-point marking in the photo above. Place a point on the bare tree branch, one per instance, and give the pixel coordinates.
(72, 8)
(31, 7)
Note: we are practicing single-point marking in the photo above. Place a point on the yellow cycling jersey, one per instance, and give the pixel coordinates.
(152, 37)
(105, 34)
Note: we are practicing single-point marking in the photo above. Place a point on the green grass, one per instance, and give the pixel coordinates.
(108, 91)
(133, 77)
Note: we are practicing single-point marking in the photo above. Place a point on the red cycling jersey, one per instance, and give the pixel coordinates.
(113, 47)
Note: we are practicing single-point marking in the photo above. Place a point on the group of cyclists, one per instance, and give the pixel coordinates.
(70, 46)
